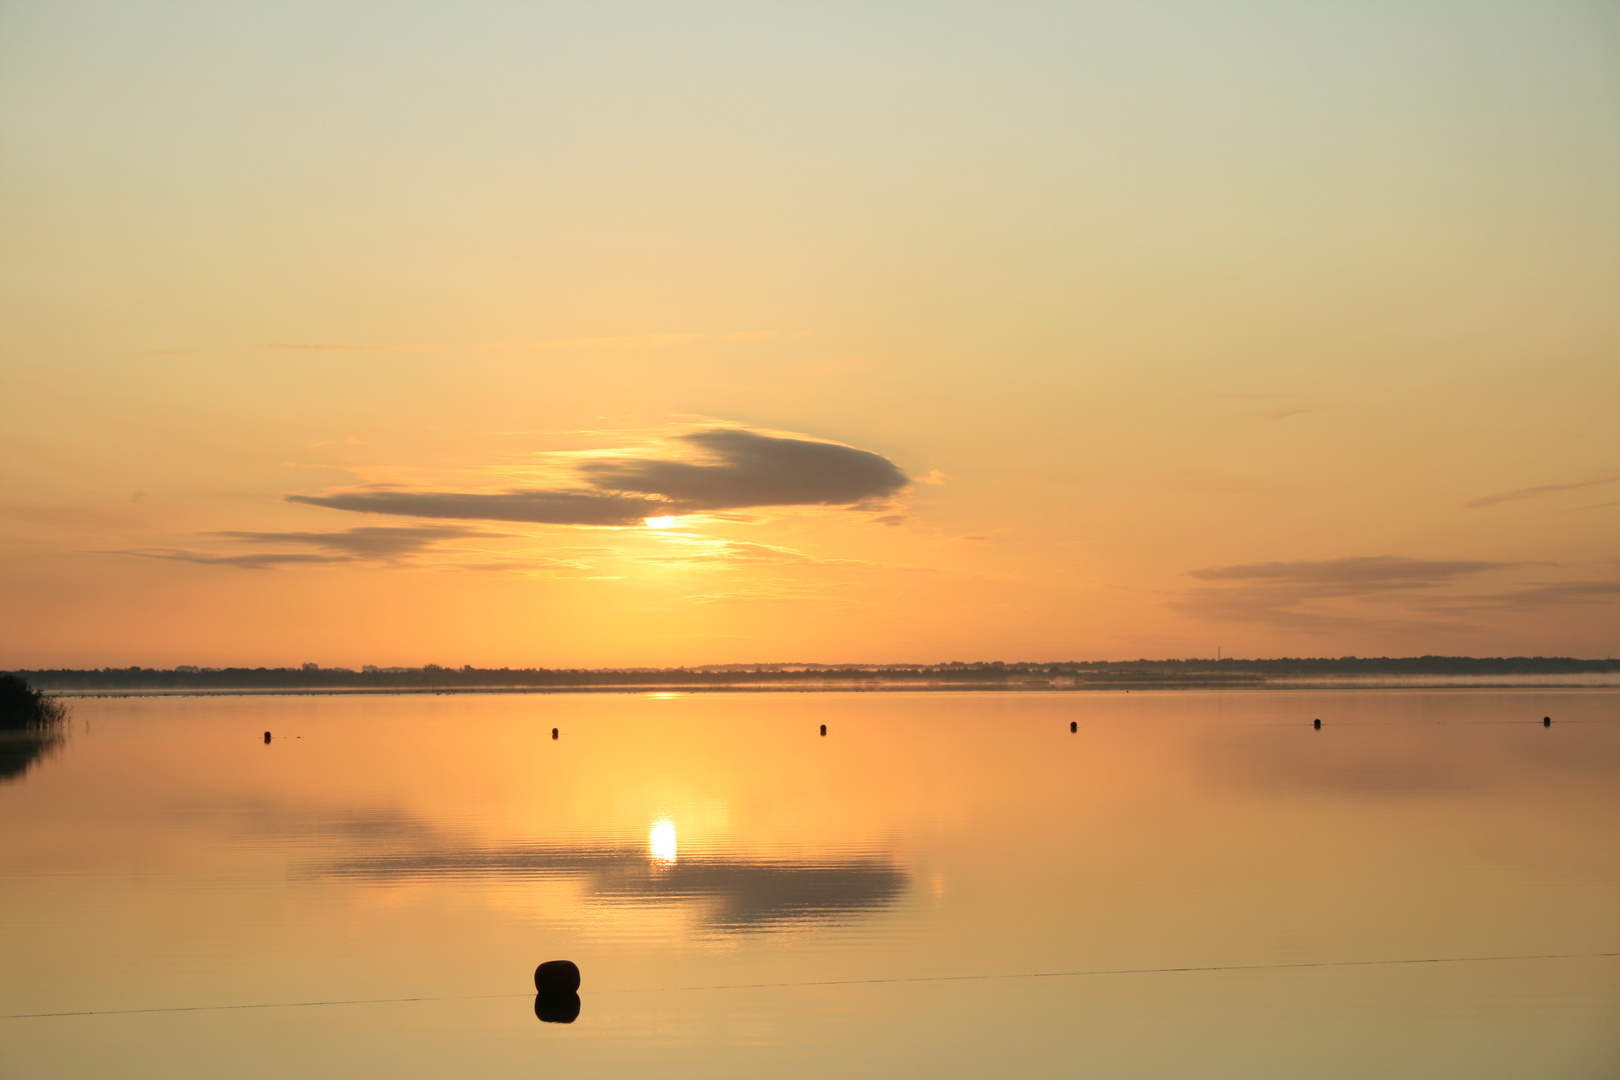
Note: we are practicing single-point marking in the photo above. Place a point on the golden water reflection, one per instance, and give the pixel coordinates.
(434, 847)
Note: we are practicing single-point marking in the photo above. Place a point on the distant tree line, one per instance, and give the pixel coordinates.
(977, 674)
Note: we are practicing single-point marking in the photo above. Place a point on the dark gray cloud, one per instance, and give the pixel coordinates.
(736, 470)
(748, 469)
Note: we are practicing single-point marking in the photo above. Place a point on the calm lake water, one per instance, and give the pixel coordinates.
(942, 885)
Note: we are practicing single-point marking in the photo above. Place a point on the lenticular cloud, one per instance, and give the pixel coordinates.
(733, 469)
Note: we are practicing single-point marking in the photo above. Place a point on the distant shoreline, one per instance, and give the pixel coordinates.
(744, 685)
(1285, 673)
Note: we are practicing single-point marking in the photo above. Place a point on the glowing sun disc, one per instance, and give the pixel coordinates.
(660, 522)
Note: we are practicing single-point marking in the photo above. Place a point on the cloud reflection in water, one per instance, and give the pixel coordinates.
(737, 893)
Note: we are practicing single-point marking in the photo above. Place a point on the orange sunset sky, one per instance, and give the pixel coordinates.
(619, 334)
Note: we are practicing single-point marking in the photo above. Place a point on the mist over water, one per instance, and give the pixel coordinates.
(943, 884)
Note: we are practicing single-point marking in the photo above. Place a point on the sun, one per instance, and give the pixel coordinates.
(660, 522)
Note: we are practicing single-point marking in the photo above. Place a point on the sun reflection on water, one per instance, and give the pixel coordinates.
(661, 841)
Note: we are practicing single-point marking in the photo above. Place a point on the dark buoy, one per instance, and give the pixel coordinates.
(556, 1008)
(1546, 721)
(553, 733)
(556, 977)
(824, 729)
(267, 736)
(1317, 724)
(1074, 726)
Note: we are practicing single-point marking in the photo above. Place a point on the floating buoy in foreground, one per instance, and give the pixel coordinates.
(556, 977)
(556, 1008)
(824, 729)
(553, 733)
(267, 736)
(1074, 726)
(1318, 725)
(1546, 721)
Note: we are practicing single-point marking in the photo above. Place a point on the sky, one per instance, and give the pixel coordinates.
(606, 334)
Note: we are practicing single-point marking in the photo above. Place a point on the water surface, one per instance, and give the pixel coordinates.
(1189, 884)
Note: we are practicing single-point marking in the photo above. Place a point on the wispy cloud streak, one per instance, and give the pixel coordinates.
(536, 507)
(1373, 592)
(1538, 491)
(1345, 576)
(376, 544)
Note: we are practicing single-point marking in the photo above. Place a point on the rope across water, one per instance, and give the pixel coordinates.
(1188, 969)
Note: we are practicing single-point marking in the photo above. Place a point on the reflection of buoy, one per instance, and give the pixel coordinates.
(1074, 726)
(553, 733)
(267, 736)
(1546, 721)
(556, 1008)
(1318, 725)
(556, 977)
(824, 729)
